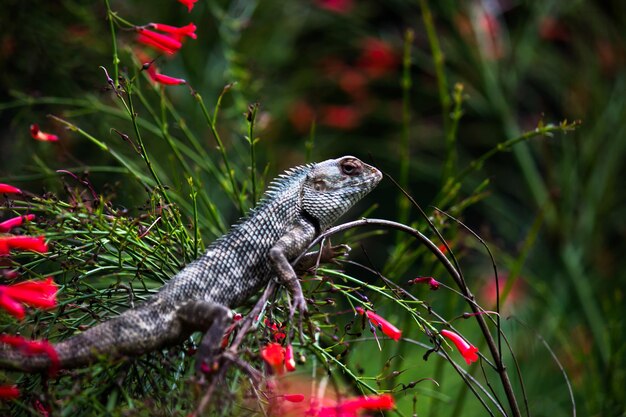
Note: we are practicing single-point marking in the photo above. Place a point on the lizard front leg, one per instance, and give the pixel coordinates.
(287, 248)
(210, 317)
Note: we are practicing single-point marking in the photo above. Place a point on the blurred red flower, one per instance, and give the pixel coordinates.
(336, 6)
(340, 117)
(350, 407)
(377, 58)
(468, 351)
(387, 328)
(39, 294)
(162, 78)
(33, 347)
(294, 398)
(274, 355)
(35, 244)
(42, 136)
(177, 32)
(290, 362)
(7, 225)
(553, 30)
(158, 41)
(9, 392)
(188, 3)
(301, 116)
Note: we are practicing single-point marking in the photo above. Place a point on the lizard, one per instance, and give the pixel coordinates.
(297, 206)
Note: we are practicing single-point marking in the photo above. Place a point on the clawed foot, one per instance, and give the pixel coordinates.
(331, 253)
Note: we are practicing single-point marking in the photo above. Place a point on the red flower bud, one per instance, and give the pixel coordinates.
(469, 352)
(9, 189)
(7, 225)
(188, 3)
(42, 136)
(179, 32)
(379, 322)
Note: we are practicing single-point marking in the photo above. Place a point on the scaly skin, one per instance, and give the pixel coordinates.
(297, 206)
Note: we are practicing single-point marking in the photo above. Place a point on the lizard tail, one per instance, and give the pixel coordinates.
(133, 333)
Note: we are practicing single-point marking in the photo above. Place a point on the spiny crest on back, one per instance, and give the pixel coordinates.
(281, 183)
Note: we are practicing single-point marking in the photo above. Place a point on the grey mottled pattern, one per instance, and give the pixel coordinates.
(296, 207)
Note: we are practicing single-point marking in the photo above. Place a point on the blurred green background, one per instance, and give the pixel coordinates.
(554, 209)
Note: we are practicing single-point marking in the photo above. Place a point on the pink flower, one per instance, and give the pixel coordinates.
(274, 355)
(387, 328)
(7, 225)
(336, 6)
(158, 41)
(39, 294)
(9, 392)
(178, 32)
(290, 363)
(35, 244)
(9, 189)
(42, 136)
(33, 347)
(469, 352)
(351, 406)
(377, 58)
(188, 3)
(432, 282)
(162, 78)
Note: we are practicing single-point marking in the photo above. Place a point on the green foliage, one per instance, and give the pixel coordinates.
(144, 175)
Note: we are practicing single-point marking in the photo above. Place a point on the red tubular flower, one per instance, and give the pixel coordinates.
(13, 307)
(9, 189)
(35, 244)
(9, 392)
(178, 32)
(162, 78)
(188, 3)
(158, 41)
(387, 328)
(33, 347)
(38, 294)
(7, 225)
(432, 282)
(274, 355)
(469, 352)
(290, 362)
(42, 136)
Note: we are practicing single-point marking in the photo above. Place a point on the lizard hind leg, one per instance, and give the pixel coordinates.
(211, 318)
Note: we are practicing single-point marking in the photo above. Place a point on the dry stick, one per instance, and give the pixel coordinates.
(493, 348)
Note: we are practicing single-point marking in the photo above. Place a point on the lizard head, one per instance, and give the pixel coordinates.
(333, 186)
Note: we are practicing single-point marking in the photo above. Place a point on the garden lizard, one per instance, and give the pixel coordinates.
(296, 208)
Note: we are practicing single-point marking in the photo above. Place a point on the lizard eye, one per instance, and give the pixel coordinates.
(350, 167)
